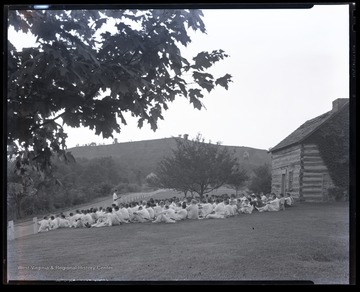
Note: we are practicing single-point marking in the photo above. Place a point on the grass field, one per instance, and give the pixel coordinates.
(309, 241)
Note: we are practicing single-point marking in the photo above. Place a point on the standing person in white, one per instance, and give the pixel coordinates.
(115, 197)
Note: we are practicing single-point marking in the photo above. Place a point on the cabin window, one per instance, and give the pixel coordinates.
(291, 178)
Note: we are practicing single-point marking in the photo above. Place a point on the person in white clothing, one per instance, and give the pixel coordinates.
(282, 202)
(77, 218)
(193, 210)
(177, 206)
(72, 220)
(63, 223)
(272, 206)
(130, 211)
(44, 225)
(150, 210)
(170, 212)
(142, 215)
(229, 211)
(119, 215)
(165, 215)
(263, 198)
(93, 214)
(206, 209)
(234, 206)
(99, 213)
(289, 200)
(246, 208)
(218, 212)
(58, 218)
(114, 218)
(144, 204)
(181, 214)
(158, 208)
(172, 204)
(124, 213)
(115, 197)
(104, 220)
(54, 223)
(242, 198)
(134, 207)
(86, 219)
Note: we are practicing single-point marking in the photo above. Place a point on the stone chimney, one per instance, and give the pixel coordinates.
(338, 104)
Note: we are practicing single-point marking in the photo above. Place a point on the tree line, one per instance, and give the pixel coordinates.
(67, 184)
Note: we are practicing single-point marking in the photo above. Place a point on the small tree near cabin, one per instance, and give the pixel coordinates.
(238, 178)
(196, 166)
(261, 182)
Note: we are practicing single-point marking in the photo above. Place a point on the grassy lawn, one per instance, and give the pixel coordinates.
(309, 241)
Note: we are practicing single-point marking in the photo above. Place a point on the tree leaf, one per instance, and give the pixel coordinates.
(193, 94)
(205, 80)
(99, 23)
(224, 81)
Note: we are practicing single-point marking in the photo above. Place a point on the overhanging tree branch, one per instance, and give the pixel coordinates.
(62, 59)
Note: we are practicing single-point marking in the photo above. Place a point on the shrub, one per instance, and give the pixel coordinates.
(132, 188)
(78, 195)
(128, 188)
(27, 206)
(337, 194)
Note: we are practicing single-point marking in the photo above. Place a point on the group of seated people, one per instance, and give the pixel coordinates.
(168, 210)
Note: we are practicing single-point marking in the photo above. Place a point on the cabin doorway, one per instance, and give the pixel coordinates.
(283, 181)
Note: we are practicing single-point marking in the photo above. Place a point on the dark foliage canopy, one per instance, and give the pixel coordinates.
(333, 140)
(82, 75)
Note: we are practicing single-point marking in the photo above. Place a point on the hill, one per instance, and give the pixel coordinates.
(144, 155)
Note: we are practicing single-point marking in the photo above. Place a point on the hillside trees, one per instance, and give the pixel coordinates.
(75, 183)
(62, 80)
(196, 166)
(18, 188)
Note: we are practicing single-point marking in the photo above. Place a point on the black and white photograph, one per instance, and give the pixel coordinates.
(179, 144)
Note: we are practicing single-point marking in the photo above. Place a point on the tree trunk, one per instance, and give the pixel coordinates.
(18, 207)
(18, 212)
(202, 189)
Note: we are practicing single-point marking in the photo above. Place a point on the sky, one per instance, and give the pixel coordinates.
(287, 67)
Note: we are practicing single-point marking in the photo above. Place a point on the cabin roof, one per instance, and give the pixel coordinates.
(306, 129)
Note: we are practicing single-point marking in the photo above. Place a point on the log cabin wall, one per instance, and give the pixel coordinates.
(286, 169)
(315, 157)
(315, 179)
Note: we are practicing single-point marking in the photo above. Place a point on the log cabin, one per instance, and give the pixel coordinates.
(314, 159)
